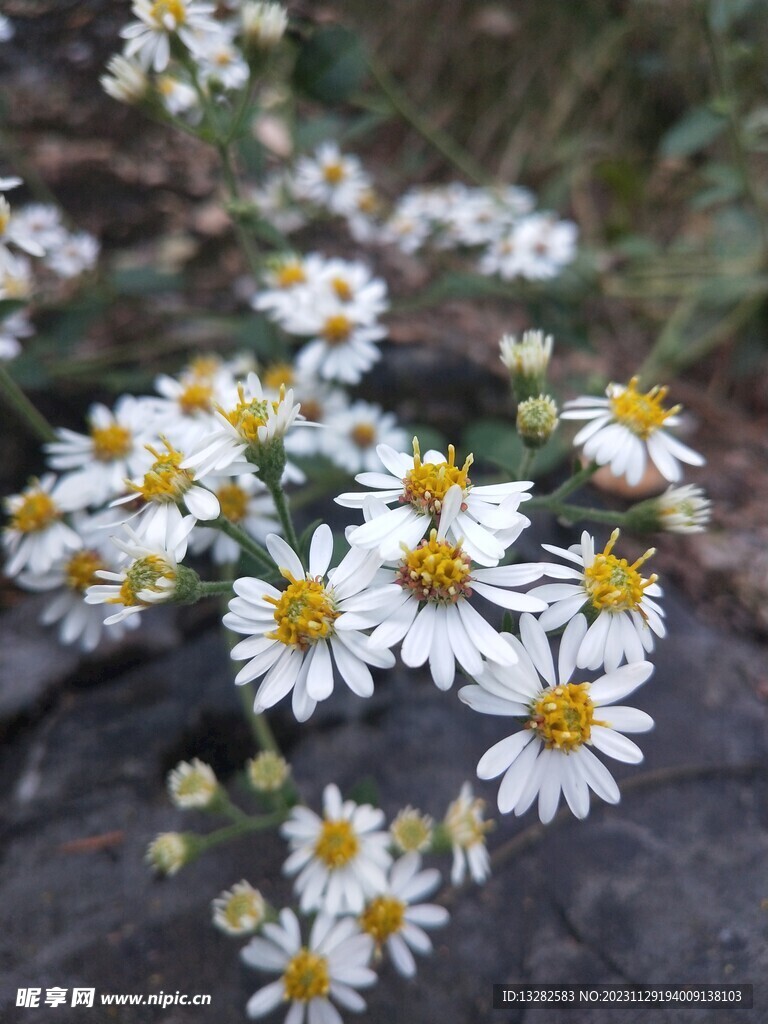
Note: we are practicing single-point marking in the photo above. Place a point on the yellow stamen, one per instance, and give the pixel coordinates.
(277, 375)
(306, 977)
(436, 570)
(111, 443)
(36, 512)
(197, 396)
(5, 214)
(337, 844)
(615, 585)
(144, 574)
(304, 613)
(161, 9)
(563, 716)
(642, 413)
(342, 289)
(337, 329)
(233, 501)
(334, 172)
(80, 570)
(384, 916)
(427, 483)
(290, 274)
(164, 481)
(364, 435)
(250, 414)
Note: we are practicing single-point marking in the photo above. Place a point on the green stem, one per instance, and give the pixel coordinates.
(280, 499)
(260, 727)
(526, 462)
(233, 190)
(38, 425)
(240, 828)
(248, 544)
(575, 513)
(570, 485)
(209, 588)
(436, 137)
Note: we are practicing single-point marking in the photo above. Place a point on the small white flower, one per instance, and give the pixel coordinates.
(354, 435)
(562, 721)
(15, 275)
(536, 248)
(330, 179)
(466, 830)
(12, 328)
(529, 357)
(293, 634)
(431, 609)
(683, 509)
(37, 537)
(151, 576)
(396, 922)
(14, 231)
(607, 593)
(341, 859)
(169, 852)
(626, 428)
(218, 60)
(332, 965)
(96, 464)
(149, 38)
(486, 523)
(74, 254)
(239, 910)
(125, 81)
(412, 831)
(41, 222)
(263, 24)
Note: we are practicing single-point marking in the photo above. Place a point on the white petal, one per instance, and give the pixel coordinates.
(616, 685)
(417, 644)
(284, 556)
(320, 550)
(502, 754)
(615, 745)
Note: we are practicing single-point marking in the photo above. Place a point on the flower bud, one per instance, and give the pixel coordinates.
(412, 831)
(239, 910)
(536, 420)
(527, 361)
(268, 772)
(678, 510)
(192, 785)
(264, 24)
(170, 851)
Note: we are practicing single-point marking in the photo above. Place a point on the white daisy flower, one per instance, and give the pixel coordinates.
(37, 537)
(331, 966)
(14, 231)
(151, 577)
(396, 922)
(341, 859)
(331, 179)
(527, 358)
(431, 607)
(219, 60)
(607, 594)
(42, 223)
(536, 248)
(354, 434)
(247, 421)
(15, 275)
(125, 81)
(626, 428)
(70, 577)
(246, 502)
(487, 522)
(292, 634)
(466, 830)
(263, 24)
(74, 254)
(562, 721)
(149, 38)
(192, 785)
(682, 509)
(96, 464)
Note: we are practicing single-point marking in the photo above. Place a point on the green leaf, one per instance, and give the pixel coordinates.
(10, 306)
(428, 437)
(331, 65)
(144, 281)
(494, 441)
(692, 133)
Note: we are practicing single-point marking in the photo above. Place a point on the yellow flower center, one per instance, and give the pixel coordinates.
(341, 289)
(251, 413)
(205, 366)
(111, 443)
(464, 822)
(5, 214)
(36, 512)
(162, 9)
(304, 613)
(334, 172)
(368, 202)
(144, 574)
(312, 410)
(289, 275)
(337, 329)
(411, 830)
(80, 570)
(234, 502)
(426, 484)
(242, 907)
(436, 570)
(364, 435)
(197, 396)
(278, 375)
(563, 716)
(337, 844)
(384, 916)
(306, 977)
(165, 481)
(613, 584)
(641, 413)
(15, 287)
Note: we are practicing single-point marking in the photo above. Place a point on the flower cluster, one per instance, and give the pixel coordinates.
(36, 230)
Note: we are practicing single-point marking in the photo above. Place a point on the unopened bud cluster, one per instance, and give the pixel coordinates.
(268, 772)
(536, 420)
